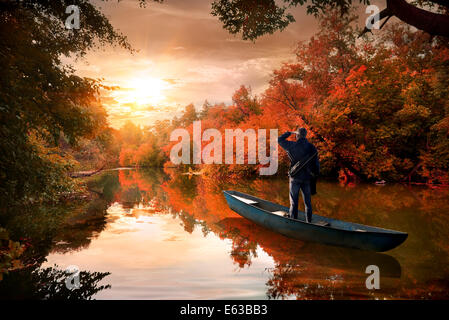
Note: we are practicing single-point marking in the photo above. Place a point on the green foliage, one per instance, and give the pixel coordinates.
(255, 18)
(10, 252)
(42, 100)
(188, 116)
(245, 16)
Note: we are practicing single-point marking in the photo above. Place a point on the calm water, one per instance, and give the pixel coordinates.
(156, 235)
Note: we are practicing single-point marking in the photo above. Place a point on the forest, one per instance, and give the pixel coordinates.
(376, 107)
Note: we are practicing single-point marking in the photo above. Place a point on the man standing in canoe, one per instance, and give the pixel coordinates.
(304, 168)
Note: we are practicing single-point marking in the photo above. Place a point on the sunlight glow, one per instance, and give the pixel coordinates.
(142, 92)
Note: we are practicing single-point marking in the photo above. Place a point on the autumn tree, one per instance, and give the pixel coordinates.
(189, 115)
(377, 110)
(41, 99)
(245, 102)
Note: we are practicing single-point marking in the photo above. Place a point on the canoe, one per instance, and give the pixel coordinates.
(322, 229)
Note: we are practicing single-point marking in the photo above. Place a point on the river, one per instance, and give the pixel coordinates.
(163, 235)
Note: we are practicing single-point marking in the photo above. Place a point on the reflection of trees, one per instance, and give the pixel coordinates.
(61, 228)
(242, 248)
(81, 226)
(306, 270)
(188, 221)
(301, 270)
(49, 284)
(139, 186)
(106, 184)
(130, 197)
(418, 211)
(299, 282)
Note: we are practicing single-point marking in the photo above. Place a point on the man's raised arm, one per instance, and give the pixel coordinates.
(282, 140)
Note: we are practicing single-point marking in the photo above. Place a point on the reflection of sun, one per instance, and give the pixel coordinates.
(142, 91)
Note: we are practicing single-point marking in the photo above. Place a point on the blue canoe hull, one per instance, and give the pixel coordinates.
(338, 233)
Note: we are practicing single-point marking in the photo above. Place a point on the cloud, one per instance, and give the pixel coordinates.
(180, 43)
(171, 81)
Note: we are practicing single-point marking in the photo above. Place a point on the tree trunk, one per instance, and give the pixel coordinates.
(432, 23)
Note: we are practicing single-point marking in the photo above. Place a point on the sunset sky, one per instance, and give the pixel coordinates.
(185, 56)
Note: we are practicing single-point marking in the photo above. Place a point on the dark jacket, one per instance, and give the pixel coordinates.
(301, 149)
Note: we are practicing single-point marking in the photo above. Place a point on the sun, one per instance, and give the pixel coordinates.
(142, 92)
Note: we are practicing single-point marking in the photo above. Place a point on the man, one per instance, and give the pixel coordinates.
(301, 150)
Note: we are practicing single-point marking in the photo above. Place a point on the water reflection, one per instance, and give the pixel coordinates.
(165, 235)
(416, 210)
(49, 284)
(308, 270)
(64, 229)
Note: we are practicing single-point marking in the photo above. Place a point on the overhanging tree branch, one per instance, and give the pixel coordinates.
(433, 23)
